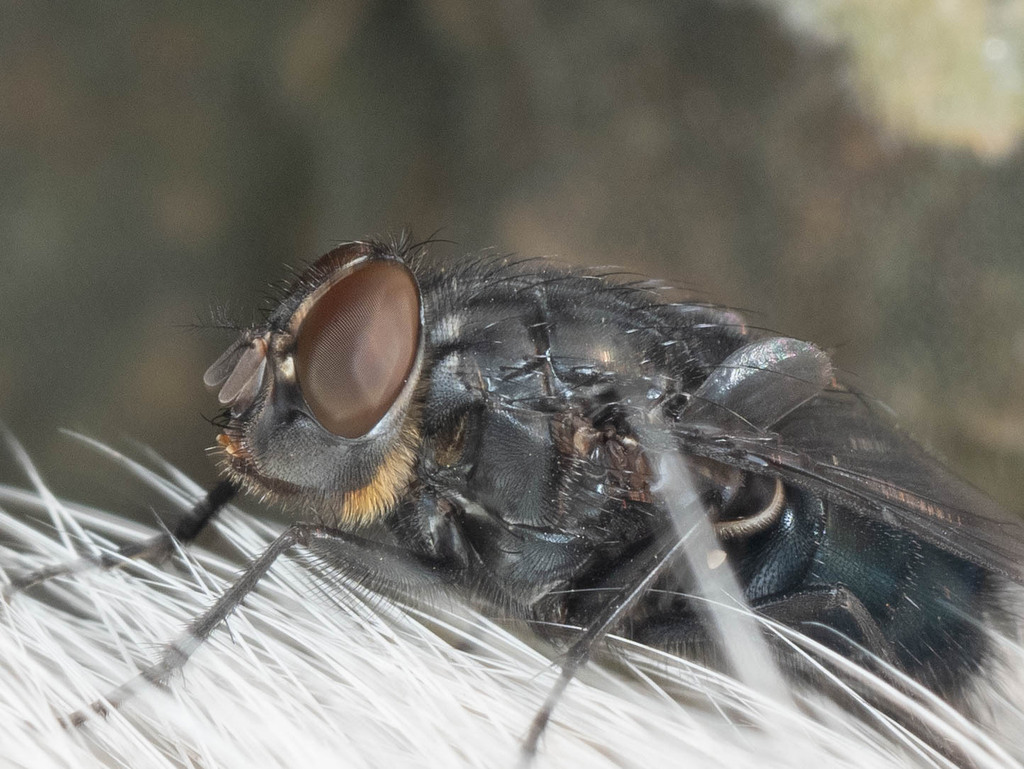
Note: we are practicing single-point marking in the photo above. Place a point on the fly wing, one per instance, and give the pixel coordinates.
(834, 442)
(759, 384)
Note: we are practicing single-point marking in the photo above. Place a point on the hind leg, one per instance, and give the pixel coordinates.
(833, 616)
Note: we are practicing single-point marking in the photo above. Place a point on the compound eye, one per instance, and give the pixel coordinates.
(356, 347)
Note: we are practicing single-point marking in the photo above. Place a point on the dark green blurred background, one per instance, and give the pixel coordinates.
(852, 175)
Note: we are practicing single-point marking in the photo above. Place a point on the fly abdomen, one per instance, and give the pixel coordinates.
(929, 605)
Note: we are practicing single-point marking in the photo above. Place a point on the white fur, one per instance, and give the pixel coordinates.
(308, 677)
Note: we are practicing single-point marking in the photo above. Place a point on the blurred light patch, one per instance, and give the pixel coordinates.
(947, 72)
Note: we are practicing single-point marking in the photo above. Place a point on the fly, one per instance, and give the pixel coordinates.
(494, 429)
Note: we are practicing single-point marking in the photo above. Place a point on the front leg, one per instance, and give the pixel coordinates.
(386, 568)
(154, 549)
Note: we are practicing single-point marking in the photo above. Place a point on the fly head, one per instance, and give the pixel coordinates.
(321, 397)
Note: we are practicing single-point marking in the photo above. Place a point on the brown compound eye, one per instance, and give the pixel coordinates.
(356, 347)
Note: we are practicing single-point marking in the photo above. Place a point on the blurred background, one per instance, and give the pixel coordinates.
(849, 173)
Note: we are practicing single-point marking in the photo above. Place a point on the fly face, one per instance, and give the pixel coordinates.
(319, 396)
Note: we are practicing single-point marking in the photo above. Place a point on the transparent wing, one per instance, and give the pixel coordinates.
(767, 409)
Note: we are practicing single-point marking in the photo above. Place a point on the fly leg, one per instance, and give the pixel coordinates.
(378, 564)
(580, 652)
(154, 549)
(833, 616)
